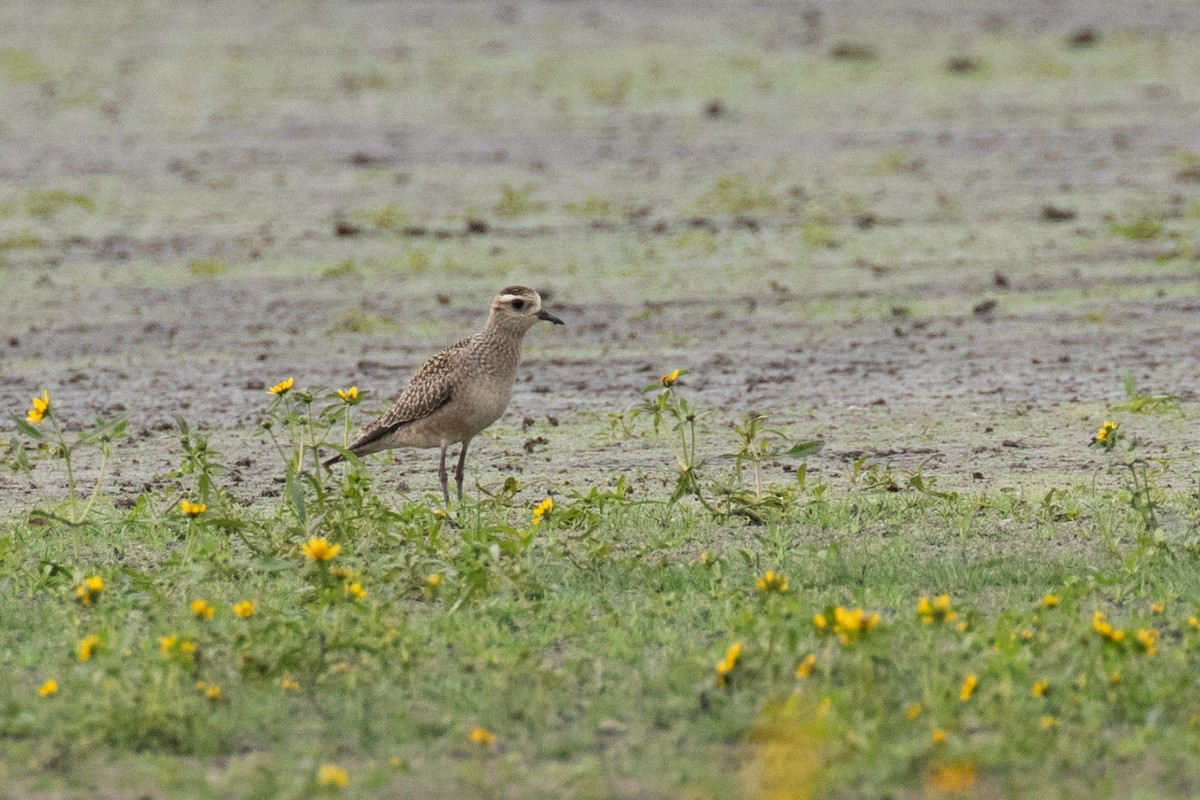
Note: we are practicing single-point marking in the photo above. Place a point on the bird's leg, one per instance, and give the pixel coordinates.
(442, 476)
(458, 471)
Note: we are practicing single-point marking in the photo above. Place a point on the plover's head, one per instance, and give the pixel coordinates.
(520, 307)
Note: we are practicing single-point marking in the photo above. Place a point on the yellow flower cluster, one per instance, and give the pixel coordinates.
(88, 646)
(849, 625)
(245, 609)
(951, 779)
(89, 591)
(331, 776)
(1040, 689)
(1102, 626)
(40, 409)
(168, 644)
(1106, 430)
(283, 386)
(191, 509)
(349, 396)
(209, 690)
(670, 378)
(542, 509)
(482, 737)
(727, 664)
(940, 609)
(968, 687)
(806, 666)
(771, 581)
(1051, 600)
(1147, 639)
(48, 689)
(355, 591)
(202, 609)
(319, 549)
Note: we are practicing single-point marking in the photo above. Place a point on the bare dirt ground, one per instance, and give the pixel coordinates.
(936, 233)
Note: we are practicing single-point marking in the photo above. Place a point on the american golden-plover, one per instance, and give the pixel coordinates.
(461, 390)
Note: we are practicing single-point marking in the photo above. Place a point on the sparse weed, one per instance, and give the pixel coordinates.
(517, 201)
(738, 195)
(1139, 403)
(1140, 228)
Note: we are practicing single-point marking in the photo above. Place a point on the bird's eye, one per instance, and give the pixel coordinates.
(518, 304)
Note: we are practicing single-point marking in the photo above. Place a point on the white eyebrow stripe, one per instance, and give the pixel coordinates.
(508, 298)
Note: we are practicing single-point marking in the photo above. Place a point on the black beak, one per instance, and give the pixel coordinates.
(546, 315)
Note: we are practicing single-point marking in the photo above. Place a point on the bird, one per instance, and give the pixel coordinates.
(462, 390)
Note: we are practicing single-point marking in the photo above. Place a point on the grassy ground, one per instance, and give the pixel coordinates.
(936, 236)
(605, 644)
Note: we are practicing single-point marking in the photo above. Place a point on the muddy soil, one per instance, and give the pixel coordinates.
(939, 234)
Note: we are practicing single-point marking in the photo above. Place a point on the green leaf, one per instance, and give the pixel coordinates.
(804, 449)
(27, 429)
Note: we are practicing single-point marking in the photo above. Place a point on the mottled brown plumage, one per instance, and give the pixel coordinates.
(461, 390)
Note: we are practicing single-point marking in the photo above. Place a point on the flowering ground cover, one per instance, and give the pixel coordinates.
(833, 638)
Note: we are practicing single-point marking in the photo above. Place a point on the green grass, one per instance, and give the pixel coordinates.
(587, 640)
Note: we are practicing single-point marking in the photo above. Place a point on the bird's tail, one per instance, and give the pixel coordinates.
(330, 462)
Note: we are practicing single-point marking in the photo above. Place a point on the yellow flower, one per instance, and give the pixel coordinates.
(290, 684)
(332, 776)
(669, 379)
(1194, 622)
(191, 509)
(40, 409)
(968, 687)
(727, 664)
(1050, 600)
(1107, 429)
(806, 666)
(1040, 689)
(187, 648)
(849, 625)
(939, 736)
(939, 610)
(771, 581)
(482, 736)
(89, 591)
(209, 690)
(1147, 638)
(319, 549)
(1102, 626)
(1049, 722)
(167, 644)
(245, 609)
(914, 711)
(48, 689)
(348, 396)
(355, 591)
(433, 581)
(958, 778)
(1157, 608)
(820, 623)
(1116, 678)
(541, 509)
(283, 386)
(202, 610)
(88, 646)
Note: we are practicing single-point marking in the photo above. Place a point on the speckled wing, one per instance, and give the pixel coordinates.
(428, 391)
